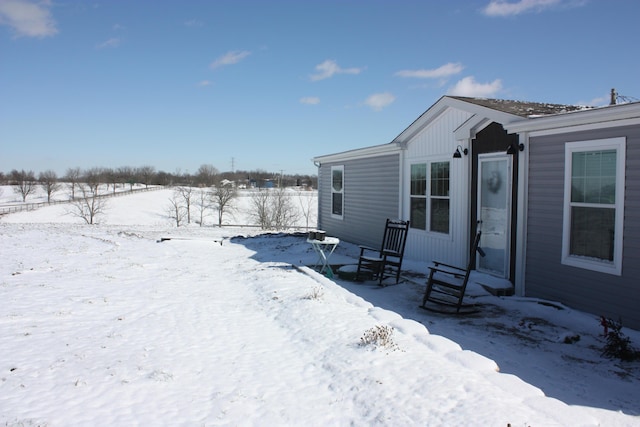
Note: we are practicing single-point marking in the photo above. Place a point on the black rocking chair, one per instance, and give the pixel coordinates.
(447, 284)
(387, 260)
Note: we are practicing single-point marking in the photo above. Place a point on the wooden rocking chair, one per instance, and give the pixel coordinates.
(387, 260)
(447, 284)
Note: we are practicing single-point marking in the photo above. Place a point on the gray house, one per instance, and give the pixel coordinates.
(552, 187)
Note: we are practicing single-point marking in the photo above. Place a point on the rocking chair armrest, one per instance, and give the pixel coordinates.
(457, 272)
(367, 248)
(438, 264)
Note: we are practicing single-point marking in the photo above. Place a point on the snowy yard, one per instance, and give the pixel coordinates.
(105, 325)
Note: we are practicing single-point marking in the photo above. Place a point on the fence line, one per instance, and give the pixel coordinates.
(33, 206)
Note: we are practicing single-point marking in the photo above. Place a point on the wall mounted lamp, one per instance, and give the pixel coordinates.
(513, 147)
(457, 154)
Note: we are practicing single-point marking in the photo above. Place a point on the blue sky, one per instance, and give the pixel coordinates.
(271, 84)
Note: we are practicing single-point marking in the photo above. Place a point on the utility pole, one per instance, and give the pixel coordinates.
(614, 96)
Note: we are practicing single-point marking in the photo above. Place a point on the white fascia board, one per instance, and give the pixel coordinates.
(421, 122)
(482, 111)
(480, 114)
(359, 153)
(566, 122)
(470, 128)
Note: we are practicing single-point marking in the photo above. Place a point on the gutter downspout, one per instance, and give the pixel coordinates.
(522, 214)
(318, 198)
(401, 172)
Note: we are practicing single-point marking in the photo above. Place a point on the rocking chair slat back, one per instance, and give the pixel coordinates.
(389, 258)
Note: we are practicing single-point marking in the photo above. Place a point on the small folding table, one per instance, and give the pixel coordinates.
(324, 249)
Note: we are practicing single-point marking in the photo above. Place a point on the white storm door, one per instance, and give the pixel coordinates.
(494, 213)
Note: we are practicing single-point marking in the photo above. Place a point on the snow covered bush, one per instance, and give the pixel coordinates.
(379, 336)
(618, 345)
(316, 293)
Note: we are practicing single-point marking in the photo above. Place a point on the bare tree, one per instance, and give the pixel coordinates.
(126, 175)
(146, 173)
(94, 177)
(110, 178)
(307, 204)
(284, 212)
(273, 209)
(206, 175)
(89, 205)
(49, 183)
(222, 198)
(176, 209)
(24, 183)
(261, 212)
(186, 192)
(203, 203)
(73, 178)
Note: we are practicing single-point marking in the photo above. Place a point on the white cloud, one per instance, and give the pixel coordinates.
(27, 19)
(111, 43)
(446, 70)
(329, 68)
(310, 100)
(230, 58)
(378, 101)
(204, 83)
(505, 8)
(469, 87)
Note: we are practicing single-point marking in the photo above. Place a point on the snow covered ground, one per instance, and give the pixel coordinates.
(105, 325)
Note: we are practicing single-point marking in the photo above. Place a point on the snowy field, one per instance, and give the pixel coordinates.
(104, 325)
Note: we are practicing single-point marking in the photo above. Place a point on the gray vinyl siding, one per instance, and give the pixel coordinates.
(613, 296)
(371, 195)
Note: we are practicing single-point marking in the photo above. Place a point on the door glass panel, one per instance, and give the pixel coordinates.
(494, 215)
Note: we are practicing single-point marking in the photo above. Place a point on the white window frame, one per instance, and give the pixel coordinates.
(428, 196)
(604, 266)
(333, 191)
(424, 197)
(431, 197)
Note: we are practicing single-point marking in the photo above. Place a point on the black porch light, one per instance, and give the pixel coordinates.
(457, 154)
(511, 149)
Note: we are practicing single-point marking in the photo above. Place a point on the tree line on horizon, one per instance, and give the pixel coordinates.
(25, 182)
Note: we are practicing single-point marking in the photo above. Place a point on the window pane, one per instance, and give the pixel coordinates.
(577, 164)
(336, 179)
(593, 177)
(440, 215)
(608, 190)
(336, 203)
(418, 213)
(419, 180)
(577, 190)
(440, 179)
(592, 232)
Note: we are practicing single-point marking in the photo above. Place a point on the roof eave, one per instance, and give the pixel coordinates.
(374, 151)
(576, 118)
(448, 102)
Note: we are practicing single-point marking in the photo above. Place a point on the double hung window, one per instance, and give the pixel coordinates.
(337, 192)
(593, 205)
(429, 197)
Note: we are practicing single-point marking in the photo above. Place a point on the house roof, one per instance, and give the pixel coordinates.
(611, 115)
(510, 113)
(522, 108)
